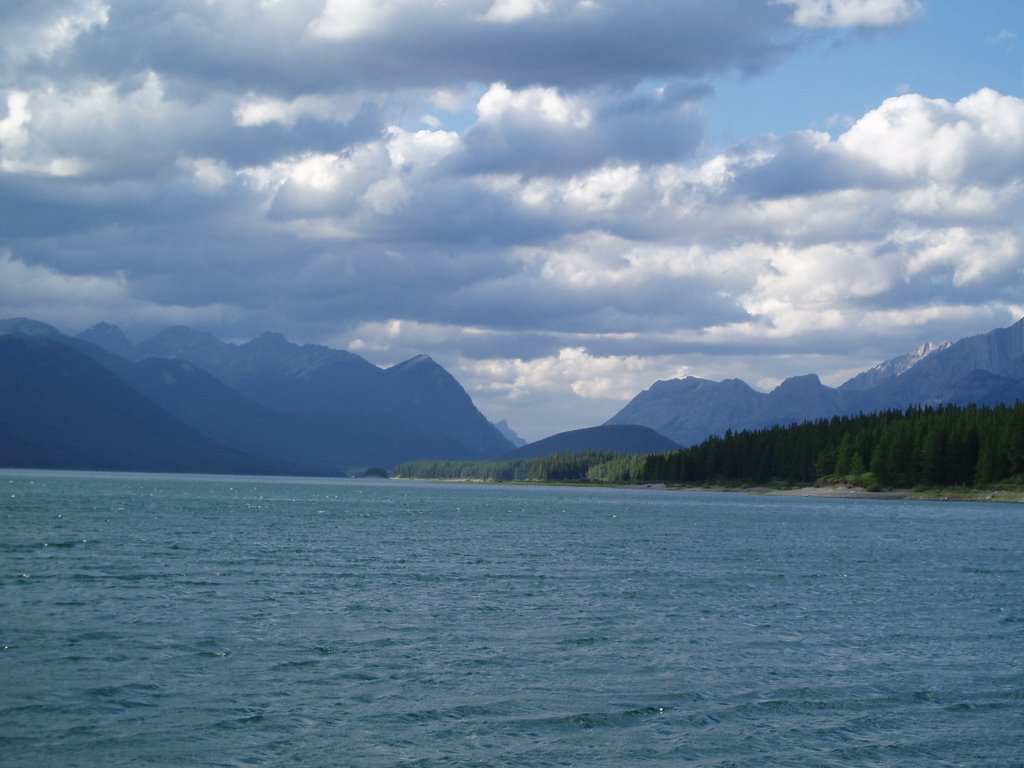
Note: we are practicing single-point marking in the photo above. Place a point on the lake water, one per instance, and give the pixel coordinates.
(191, 621)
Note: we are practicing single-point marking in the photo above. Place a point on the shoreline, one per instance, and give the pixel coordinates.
(810, 491)
(840, 491)
(844, 491)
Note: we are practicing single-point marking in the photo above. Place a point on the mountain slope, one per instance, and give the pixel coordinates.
(417, 397)
(891, 368)
(110, 338)
(61, 409)
(510, 434)
(23, 326)
(425, 394)
(796, 397)
(688, 410)
(618, 438)
(344, 435)
(940, 377)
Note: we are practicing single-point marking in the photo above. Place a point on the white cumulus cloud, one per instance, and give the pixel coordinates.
(524, 189)
(506, 11)
(852, 13)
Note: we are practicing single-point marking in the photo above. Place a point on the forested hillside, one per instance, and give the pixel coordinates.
(558, 467)
(895, 449)
(947, 446)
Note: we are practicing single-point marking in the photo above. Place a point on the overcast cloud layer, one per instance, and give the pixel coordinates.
(523, 189)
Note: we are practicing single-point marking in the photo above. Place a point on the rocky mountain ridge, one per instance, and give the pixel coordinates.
(271, 405)
(307, 409)
(986, 369)
(892, 368)
(287, 377)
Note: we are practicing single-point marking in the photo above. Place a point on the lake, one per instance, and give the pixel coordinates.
(228, 621)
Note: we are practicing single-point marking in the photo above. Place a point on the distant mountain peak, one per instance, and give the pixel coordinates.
(986, 369)
(419, 364)
(184, 343)
(103, 327)
(904, 363)
(110, 338)
(182, 334)
(506, 430)
(420, 359)
(685, 383)
(801, 382)
(928, 348)
(27, 327)
(269, 339)
(890, 369)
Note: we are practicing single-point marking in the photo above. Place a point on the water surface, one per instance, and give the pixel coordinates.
(185, 620)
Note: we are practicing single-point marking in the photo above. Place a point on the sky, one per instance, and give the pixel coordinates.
(561, 201)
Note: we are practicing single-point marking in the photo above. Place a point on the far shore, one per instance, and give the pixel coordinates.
(838, 491)
(816, 491)
(844, 491)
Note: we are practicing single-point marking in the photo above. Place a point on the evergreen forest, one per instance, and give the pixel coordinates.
(919, 447)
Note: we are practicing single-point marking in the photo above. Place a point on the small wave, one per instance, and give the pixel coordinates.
(591, 720)
(790, 706)
(37, 710)
(64, 544)
(361, 677)
(585, 640)
(961, 707)
(238, 722)
(130, 696)
(295, 664)
(501, 708)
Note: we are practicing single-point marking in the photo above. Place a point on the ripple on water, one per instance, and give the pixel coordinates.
(185, 621)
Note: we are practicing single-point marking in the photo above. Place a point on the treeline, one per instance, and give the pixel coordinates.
(559, 467)
(895, 449)
(917, 447)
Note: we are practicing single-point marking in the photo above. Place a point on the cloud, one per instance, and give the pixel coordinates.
(286, 50)
(573, 368)
(1003, 37)
(209, 174)
(348, 191)
(346, 19)
(76, 301)
(587, 387)
(102, 129)
(507, 11)
(262, 110)
(523, 190)
(630, 250)
(913, 137)
(852, 13)
(42, 30)
(541, 131)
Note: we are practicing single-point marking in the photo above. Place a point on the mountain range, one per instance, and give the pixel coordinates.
(285, 407)
(985, 370)
(59, 409)
(186, 401)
